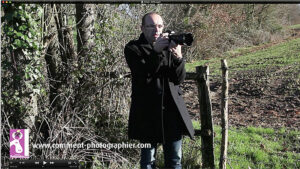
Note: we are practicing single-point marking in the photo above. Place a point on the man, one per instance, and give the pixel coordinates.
(158, 113)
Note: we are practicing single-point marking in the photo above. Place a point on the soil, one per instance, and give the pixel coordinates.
(249, 104)
(268, 98)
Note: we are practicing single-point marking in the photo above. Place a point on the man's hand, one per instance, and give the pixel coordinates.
(175, 49)
(161, 43)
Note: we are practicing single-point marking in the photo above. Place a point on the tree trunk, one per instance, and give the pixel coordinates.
(85, 19)
(50, 54)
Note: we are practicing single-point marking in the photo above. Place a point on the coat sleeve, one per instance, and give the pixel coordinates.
(142, 64)
(177, 70)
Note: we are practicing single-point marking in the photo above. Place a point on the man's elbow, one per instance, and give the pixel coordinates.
(179, 79)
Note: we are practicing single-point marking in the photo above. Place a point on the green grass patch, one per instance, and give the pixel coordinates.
(277, 56)
(294, 26)
(253, 147)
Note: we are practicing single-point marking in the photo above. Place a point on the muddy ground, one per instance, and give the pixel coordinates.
(266, 98)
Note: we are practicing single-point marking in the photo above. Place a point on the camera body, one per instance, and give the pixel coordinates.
(181, 39)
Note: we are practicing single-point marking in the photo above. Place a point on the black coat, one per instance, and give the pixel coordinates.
(146, 119)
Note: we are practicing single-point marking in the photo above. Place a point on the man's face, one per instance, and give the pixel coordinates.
(153, 27)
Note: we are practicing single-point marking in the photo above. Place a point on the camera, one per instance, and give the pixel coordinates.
(181, 39)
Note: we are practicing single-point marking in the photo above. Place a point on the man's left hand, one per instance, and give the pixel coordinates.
(175, 49)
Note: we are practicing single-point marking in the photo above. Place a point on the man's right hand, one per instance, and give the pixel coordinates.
(161, 43)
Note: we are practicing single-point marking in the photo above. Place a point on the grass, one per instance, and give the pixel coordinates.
(277, 56)
(294, 26)
(253, 147)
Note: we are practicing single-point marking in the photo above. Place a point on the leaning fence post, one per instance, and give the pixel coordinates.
(224, 114)
(207, 132)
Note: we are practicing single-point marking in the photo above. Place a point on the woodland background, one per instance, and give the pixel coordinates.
(54, 56)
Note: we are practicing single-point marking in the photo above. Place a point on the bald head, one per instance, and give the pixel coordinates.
(152, 26)
(147, 15)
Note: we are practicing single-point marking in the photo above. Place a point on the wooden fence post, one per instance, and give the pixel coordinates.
(207, 132)
(224, 115)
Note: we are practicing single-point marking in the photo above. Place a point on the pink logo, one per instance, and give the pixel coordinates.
(19, 143)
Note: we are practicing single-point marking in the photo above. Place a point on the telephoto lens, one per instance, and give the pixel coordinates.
(181, 39)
